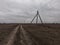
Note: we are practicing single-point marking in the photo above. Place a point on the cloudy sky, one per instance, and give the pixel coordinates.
(18, 11)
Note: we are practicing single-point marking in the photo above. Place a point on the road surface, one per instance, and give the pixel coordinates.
(20, 37)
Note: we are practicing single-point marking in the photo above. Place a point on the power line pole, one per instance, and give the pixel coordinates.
(36, 16)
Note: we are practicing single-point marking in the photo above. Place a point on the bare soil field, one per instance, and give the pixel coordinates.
(44, 34)
(31, 34)
(5, 30)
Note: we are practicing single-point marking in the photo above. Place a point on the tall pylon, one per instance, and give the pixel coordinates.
(36, 16)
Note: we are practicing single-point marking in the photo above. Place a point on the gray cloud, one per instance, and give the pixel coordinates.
(12, 11)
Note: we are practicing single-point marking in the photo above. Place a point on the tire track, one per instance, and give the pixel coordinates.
(26, 38)
(20, 37)
(12, 36)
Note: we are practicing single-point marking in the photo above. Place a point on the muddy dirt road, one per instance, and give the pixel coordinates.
(24, 38)
(34, 35)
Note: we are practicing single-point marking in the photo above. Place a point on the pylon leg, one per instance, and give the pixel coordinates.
(40, 19)
(36, 16)
(37, 19)
(33, 18)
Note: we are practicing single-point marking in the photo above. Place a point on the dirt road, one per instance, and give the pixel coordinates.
(20, 37)
(24, 38)
(11, 37)
(34, 35)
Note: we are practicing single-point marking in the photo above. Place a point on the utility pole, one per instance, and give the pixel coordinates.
(36, 16)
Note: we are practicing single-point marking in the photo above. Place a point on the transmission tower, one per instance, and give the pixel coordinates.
(36, 16)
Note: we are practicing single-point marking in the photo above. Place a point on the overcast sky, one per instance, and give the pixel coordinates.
(17, 11)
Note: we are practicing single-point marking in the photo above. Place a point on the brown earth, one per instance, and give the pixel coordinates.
(32, 34)
(5, 30)
(47, 34)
